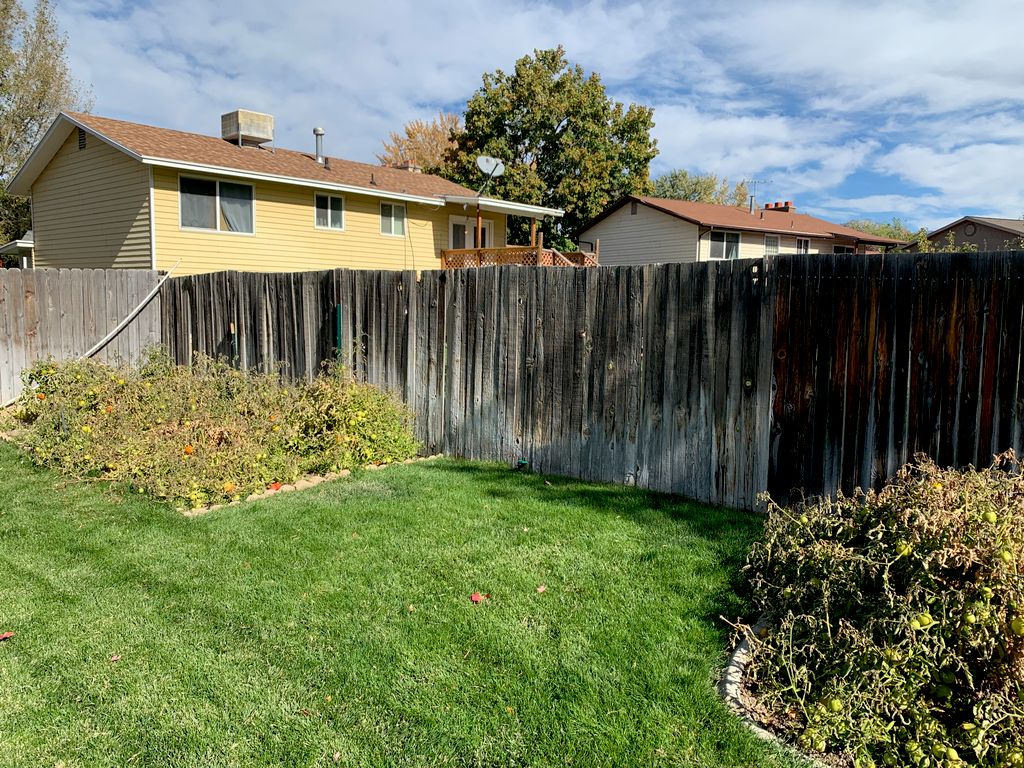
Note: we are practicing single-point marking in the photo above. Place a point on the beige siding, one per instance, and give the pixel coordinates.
(286, 239)
(646, 237)
(90, 208)
(984, 238)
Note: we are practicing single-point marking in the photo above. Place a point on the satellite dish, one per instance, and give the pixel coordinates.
(491, 166)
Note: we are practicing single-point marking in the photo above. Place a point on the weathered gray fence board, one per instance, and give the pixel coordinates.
(60, 314)
(716, 380)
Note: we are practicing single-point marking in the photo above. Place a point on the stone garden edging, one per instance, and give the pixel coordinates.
(731, 690)
(307, 481)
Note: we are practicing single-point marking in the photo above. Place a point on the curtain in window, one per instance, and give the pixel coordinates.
(732, 246)
(236, 207)
(199, 203)
(337, 214)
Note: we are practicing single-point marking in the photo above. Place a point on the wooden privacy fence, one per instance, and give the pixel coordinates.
(877, 359)
(714, 380)
(62, 313)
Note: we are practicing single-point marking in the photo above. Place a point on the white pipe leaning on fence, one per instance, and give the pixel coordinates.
(117, 328)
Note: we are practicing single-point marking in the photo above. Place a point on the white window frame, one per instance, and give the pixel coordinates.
(806, 242)
(329, 197)
(391, 219)
(217, 214)
(725, 233)
(778, 245)
(470, 223)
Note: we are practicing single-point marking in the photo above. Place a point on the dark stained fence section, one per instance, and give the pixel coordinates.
(877, 359)
(62, 313)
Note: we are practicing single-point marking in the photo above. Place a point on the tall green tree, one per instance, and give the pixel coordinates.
(701, 188)
(564, 142)
(895, 229)
(35, 84)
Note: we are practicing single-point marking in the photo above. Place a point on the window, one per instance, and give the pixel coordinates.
(803, 245)
(771, 245)
(222, 206)
(725, 245)
(392, 219)
(330, 212)
(843, 249)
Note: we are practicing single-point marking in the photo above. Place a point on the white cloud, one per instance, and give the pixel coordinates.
(809, 93)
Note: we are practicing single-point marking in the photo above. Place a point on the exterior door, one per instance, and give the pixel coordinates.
(462, 232)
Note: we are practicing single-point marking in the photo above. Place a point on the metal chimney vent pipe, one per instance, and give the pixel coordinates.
(319, 133)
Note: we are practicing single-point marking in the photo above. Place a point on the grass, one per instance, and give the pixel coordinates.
(334, 626)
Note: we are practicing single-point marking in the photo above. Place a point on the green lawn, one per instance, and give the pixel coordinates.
(334, 626)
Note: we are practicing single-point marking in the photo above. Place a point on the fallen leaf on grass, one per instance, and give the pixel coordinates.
(115, 657)
(275, 486)
(476, 597)
(542, 588)
(6, 636)
(337, 757)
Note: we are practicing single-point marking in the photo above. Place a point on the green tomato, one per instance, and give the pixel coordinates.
(990, 516)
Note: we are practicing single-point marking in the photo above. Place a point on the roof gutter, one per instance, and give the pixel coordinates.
(217, 170)
(505, 206)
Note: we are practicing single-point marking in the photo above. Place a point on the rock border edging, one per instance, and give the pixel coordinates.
(303, 483)
(730, 688)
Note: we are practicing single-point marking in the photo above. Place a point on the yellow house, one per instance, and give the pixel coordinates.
(109, 193)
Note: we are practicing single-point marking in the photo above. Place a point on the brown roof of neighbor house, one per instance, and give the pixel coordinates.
(1013, 226)
(179, 146)
(770, 220)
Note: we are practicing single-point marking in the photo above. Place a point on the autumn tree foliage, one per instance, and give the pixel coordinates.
(423, 143)
(896, 228)
(35, 85)
(564, 142)
(701, 188)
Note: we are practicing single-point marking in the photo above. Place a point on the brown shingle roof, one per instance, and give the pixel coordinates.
(179, 146)
(761, 220)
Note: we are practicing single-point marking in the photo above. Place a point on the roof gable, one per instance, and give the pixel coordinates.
(1011, 226)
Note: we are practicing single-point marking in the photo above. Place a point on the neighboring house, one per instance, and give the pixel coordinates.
(18, 251)
(109, 193)
(986, 233)
(649, 230)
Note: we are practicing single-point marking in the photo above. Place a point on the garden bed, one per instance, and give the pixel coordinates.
(203, 435)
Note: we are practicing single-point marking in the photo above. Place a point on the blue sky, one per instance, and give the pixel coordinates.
(851, 109)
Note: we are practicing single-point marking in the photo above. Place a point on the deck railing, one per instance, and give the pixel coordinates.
(523, 255)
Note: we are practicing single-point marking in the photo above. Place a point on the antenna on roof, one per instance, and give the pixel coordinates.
(752, 184)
